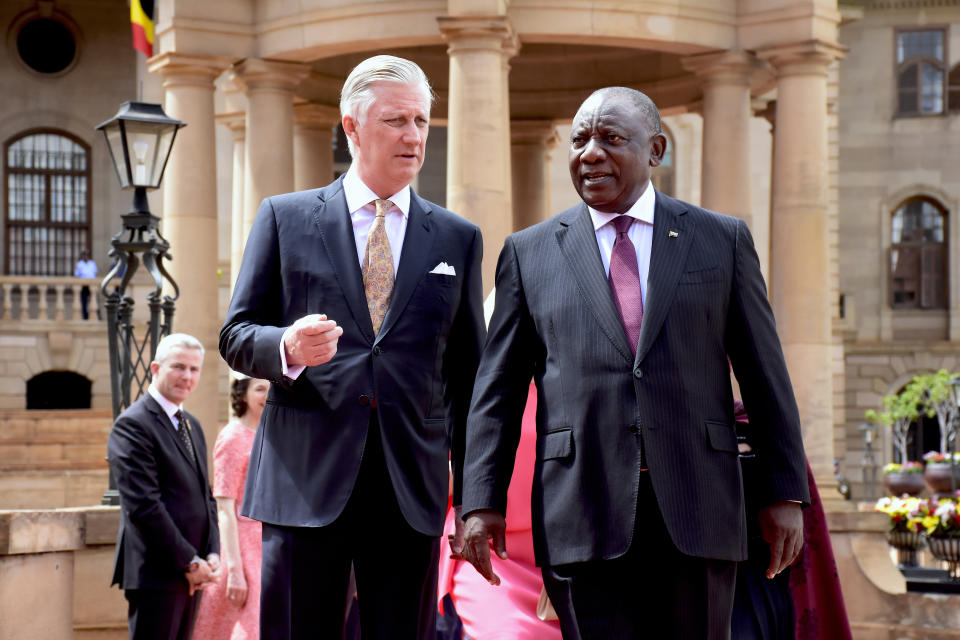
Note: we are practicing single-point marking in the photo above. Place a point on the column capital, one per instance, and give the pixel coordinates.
(534, 132)
(314, 115)
(725, 67)
(185, 69)
(808, 57)
(236, 121)
(475, 32)
(255, 74)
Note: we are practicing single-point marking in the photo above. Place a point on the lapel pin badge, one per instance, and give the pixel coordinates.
(673, 234)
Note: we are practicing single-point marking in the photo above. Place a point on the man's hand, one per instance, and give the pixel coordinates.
(456, 538)
(236, 586)
(213, 560)
(482, 529)
(311, 340)
(199, 575)
(781, 525)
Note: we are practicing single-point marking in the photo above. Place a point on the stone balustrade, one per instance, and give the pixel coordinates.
(47, 299)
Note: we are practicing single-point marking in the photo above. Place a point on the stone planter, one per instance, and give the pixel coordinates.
(948, 550)
(904, 483)
(907, 543)
(937, 477)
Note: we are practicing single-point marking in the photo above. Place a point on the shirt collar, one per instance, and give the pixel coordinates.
(359, 194)
(168, 407)
(642, 209)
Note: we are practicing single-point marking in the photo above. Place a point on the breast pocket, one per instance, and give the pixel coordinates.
(699, 276)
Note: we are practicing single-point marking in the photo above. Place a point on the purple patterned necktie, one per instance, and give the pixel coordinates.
(625, 281)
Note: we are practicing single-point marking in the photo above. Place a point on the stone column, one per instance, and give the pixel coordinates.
(189, 219)
(761, 152)
(800, 272)
(237, 123)
(478, 137)
(268, 167)
(313, 144)
(532, 141)
(725, 179)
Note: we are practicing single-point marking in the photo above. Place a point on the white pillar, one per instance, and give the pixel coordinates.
(189, 219)
(532, 141)
(313, 144)
(478, 131)
(268, 167)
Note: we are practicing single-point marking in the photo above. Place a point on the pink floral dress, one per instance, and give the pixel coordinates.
(218, 618)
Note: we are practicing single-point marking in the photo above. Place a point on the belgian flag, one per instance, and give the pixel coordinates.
(141, 19)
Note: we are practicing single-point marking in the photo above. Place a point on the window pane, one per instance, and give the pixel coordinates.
(919, 43)
(932, 92)
(917, 221)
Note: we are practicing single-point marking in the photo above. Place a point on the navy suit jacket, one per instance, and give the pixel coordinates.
(168, 514)
(600, 409)
(301, 259)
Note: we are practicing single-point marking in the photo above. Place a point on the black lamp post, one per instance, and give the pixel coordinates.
(140, 138)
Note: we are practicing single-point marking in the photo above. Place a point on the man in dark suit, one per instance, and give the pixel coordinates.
(362, 303)
(168, 543)
(624, 310)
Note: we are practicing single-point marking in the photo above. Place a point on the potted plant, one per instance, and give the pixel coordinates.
(939, 472)
(903, 479)
(906, 525)
(942, 530)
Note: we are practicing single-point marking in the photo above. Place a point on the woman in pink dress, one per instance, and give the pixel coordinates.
(230, 609)
(507, 611)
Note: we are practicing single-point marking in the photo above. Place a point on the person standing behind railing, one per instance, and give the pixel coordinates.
(86, 268)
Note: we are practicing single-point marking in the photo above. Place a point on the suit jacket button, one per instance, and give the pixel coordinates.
(634, 429)
(637, 373)
(377, 350)
(364, 400)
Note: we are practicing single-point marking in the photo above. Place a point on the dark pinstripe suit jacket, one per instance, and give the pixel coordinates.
(600, 408)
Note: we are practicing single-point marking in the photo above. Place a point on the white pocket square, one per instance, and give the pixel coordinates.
(444, 269)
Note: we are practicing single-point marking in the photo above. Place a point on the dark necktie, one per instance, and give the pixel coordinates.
(184, 433)
(625, 281)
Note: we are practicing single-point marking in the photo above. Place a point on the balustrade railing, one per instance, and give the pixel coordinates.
(48, 299)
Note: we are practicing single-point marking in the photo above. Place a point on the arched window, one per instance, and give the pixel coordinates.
(918, 255)
(663, 176)
(920, 71)
(48, 202)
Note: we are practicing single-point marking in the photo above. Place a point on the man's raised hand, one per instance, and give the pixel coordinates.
(311, 340)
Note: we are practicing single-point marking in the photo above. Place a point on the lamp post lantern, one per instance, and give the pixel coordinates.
(868, 463)
(140, 138)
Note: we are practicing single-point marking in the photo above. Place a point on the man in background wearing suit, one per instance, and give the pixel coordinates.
(168, 543)
(362, 303)
(624, 310)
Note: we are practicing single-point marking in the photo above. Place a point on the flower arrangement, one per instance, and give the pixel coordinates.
(935, 457)
(906, 514)
(935, 519)
(907, 467)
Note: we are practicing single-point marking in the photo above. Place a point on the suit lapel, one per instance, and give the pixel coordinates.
(668, 254)
(414, 258)
(578, 244)
(166, 425)
(336, 230)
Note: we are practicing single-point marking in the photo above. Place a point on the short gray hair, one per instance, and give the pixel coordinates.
(638, 99)
(358, 90)
(176, 341)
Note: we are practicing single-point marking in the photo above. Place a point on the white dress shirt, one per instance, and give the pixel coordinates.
(168, 407)
(640, 234)
(362, 213)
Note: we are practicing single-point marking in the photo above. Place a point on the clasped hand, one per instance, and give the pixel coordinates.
(205, 572)
(473, 539)
(311, 340)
